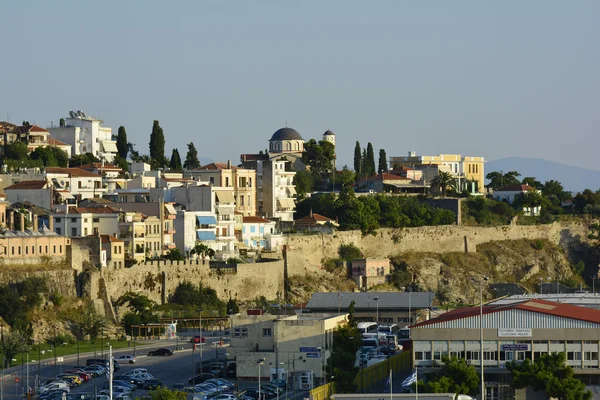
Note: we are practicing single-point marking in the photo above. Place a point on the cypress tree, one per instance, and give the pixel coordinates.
(370, 160)
(357, 159)
(157, 145)
(382, 162)
(363, 164)
(175, 163)
(191, 158)
(122, 146)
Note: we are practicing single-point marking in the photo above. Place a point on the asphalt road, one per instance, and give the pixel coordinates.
(170, 369)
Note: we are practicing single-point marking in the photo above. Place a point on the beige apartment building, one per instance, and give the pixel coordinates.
(465, 169)
(142, 236)
(293, 347)
(113, 252)
(242, 180)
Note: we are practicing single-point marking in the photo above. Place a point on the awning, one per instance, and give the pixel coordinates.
(291, 190)
(110, 146)
(286, 203)
(207, 220)
(205, 236)
(225, 197)
(290, 203)
(66, 195)
(170, 209)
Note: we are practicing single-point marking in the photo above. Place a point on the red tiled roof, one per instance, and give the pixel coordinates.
(215, 166)
(35, 128)
(314, 218)
(56, 142)
(533, 305)
(28, 185)
(93, 210)
(386, 177)
(109, 238)
(73, 172)
(253, 220)
(515, 188)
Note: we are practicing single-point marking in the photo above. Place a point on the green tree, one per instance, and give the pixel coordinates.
(370, 160)
(26, 123)
(138, 303)
(319, 156)
(17, 151)
(554, 188)
(191, 158)
(202, 250)
(162, 393)
(122, 144)
(157, 145)
(531, 181)
(232, 306)
(347, 341)
(357, 160)
(61, 157)
(498, 179)
(61, 123)
(78, 160)
(550, 374)
(456, 376)
(174, 255)
(443, 181)
(188, 295)
(13, 343)
(175, 163)
(304, 183)
(45, 154)
(349, 252)
(382, 162)
(351, 311)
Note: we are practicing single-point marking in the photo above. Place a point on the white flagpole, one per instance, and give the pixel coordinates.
(391, 387)
(417, 382)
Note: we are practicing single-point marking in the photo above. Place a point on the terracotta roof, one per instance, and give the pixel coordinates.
(98, 165)
(184, 180)
(515, 188)
(93, 210)
(386, 177)
(313, 217)
(56, 142)
(7, 127)
(534, 305)
(215, 166)
(109, 238)
(28, 185)
(72, 172)
(253, 220)
(35, 128)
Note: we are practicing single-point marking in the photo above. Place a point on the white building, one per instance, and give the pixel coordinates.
(80, 183)
(257, 232)
(86, 134)
(518, 331)
(509, 194)
(80, 221)
(195, 227)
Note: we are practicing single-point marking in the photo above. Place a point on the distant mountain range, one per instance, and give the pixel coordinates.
(574, 179)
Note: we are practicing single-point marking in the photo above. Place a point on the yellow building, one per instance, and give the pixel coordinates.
(465, 169)
(242, 180)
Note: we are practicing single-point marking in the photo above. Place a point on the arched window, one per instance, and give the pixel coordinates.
(288, 146)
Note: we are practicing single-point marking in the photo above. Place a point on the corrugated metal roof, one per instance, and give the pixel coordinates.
(366, 300)
(526, 314)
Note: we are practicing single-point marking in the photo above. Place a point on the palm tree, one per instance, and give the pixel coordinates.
(443, 181)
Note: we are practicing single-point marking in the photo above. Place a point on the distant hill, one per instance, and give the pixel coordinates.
(574, 179)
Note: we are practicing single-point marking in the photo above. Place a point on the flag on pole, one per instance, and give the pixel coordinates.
(408, 382)
(388, 383)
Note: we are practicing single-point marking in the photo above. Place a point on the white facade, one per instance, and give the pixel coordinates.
(510, 195)
(195, 227)
(77, 181)
(86, 134)
(276, 190)
(86, 222)
(257, 232)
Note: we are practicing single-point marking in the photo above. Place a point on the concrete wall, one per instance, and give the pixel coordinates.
(307, 251)
(159, 279)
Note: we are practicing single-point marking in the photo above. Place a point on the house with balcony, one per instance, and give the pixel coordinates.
(85, 134)
(196, 227)
(259, 233)
(241, 180)
(81, 221)
(132, 230)
(79, 183)
(511, 193)
(32, 135)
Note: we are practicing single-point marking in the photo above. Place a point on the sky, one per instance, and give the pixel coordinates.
(478, 78)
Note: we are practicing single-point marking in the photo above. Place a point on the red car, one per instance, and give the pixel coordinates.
(198, 339)
(83, 375)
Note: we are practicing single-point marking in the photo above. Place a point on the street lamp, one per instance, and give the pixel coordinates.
(481, 283)
(594, 277)
(259, 363)
(376, 298)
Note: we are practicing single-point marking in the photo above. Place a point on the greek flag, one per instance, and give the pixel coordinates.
(407, 383)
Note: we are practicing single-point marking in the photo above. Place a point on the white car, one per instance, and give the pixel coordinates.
(142, 377)
(126, 359)
(225, 397)
(136, 371)
(62, 386)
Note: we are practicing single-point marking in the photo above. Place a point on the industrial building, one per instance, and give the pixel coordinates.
(527, 329)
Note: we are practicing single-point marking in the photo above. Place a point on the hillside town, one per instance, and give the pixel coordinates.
(151, 241)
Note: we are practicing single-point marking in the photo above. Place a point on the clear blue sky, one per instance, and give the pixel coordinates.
(497, 79)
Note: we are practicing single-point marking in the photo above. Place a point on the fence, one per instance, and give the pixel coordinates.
(370, 379)
(222, 267)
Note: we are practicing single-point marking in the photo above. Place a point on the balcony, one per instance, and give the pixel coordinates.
(169, 231)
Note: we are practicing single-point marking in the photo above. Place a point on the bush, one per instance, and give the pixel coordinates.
(538, 245)
(350, 252)
(61, 339)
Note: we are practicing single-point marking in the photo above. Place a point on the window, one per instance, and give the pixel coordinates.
(227, 181)
(241, 200)
(252, 229)
(266, 332)
(58, 220)
(85, 220)
(58, 232)
(240, 332)
(591, 356)
(212, 180)
(573, 355)
(19, 249)
(54, 249)
(60, 249)
(418, 355)
(73, 219)
(249, 201)
(85, 231)
(73, 231)
(96, 220)
(95, 232)
(40, 250)
(26, 250)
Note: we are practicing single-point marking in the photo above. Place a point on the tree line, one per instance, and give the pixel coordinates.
(364, 161)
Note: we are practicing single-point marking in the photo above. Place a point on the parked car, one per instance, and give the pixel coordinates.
(51, 395)
(198, 339)
(95, 370)
(125, 383)
(137, 371)
(253, 392)
(161, 352)
(62, 386)
(70, 378)
(84, 376)
(222, 384)
(207, 389)
(225, 397)
(231, 370)
(275, 388)
(126, 359)
(279, 383)
(152, 384)
(131, 379)
(200, 378)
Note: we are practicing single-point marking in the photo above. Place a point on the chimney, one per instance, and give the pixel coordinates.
(310, 212)
(35, 222)
(11, 220)
(22, 215)
(51, 223)
(228, 164)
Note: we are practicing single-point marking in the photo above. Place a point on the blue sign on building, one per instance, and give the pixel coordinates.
(514, 347)
(313, 355)
(309, 349)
